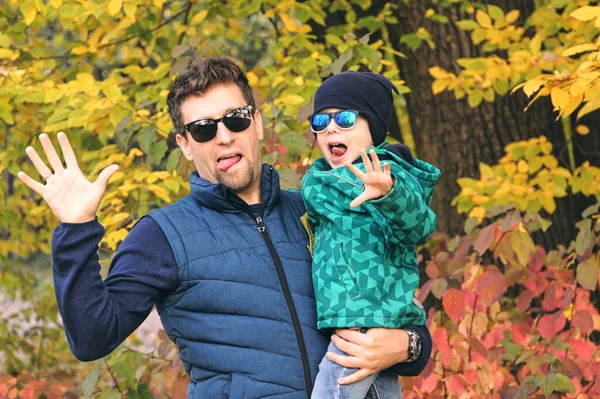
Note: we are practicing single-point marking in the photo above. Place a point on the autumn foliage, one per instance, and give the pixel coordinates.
(509, 318)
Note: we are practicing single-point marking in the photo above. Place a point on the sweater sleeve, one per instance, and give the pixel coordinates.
(98, 315)
(411, 220)
(414, 368)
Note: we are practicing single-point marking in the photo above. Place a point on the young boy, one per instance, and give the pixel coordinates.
(367, 219)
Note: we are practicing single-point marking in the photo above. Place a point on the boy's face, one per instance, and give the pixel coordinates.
(339, 146)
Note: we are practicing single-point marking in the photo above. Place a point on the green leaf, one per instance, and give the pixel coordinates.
(587, 274)
(495, 12)
(411, 40)
(112, 393)
(563, 383)
(467, 24)
(157, 151)
(173, 159)
(146, 136)
(475, 98)
(89, 383)
(478, 35)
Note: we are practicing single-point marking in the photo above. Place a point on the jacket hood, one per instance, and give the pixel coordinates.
(222, 198)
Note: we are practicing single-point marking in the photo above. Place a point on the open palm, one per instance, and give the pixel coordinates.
(68, 193)
(377, 179)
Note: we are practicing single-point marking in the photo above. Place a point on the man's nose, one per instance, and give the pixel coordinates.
(224, 135)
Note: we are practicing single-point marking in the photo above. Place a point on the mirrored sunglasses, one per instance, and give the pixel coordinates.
(343, 119)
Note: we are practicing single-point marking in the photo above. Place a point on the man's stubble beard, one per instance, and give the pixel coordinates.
(238, 184)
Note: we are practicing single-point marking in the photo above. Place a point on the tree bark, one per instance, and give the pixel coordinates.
(453, 136)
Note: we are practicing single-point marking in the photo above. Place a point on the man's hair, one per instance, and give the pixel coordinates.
(202, 74)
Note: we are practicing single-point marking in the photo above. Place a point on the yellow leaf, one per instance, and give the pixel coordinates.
(299, 81)
(30, 15)
(116, 218)
(512, 16)
(483, 19)
(199, 18)
(56, 3)
(572, 105)
(292, 99)
(560, 98)
(288, 22)
(586, 13)
(159, 3)
(548, 204)
(477, 212)
(532, 86)
(522, 166)
(4, 53)
(112, 92)
(252, 78)
(438, 73)
(114, 6)
(130, 9)
(579, 49)
(439, 86)
(429, 13)
(79, 50)
(582, 129)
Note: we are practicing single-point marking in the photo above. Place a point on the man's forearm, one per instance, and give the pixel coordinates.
(414, 368)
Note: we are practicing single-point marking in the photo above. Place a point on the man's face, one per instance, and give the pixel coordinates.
(232, 159)
(338, 145)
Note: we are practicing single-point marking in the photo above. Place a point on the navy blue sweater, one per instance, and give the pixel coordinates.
(99, 315)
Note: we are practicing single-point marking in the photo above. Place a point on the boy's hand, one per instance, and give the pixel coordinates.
(378, 181)
(70, 195)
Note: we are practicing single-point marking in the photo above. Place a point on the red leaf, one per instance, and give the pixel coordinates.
(439, 287)
(484, 240)
(454, 304)
(584, 321)
(478, 352)
(552, 297)
(549, 325)
(471, 376)
(524, 301)
(584, 349)
(520, 334)
(455, 384)
(490, 286)
(424, 291)
(427, 385)
(440, 339)
(432, 270)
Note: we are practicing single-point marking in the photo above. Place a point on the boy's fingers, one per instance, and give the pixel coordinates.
(366, 161)
(51, 153)
(29, 182)
(359, 173)
(358, 201)
(40, 166)
(387, 169)
(67, 151)
(376, 163)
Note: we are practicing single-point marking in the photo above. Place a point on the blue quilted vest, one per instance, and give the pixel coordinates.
(243, 315)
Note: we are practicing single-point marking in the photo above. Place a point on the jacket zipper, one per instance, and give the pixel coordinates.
(262, 229)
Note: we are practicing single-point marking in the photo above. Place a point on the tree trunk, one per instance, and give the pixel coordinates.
(453, 136)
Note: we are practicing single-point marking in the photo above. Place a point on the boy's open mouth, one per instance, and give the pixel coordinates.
(337, 149)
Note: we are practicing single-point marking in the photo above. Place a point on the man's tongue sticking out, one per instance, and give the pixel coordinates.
(228, 162)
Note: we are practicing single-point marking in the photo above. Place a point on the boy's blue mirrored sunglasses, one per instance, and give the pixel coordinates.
(343, 119)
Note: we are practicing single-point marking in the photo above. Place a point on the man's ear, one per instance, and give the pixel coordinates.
(184, 144)
(259, 125)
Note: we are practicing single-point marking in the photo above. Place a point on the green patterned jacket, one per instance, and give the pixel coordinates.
(364, 259)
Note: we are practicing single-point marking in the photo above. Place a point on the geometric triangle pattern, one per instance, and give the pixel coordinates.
(365, 269)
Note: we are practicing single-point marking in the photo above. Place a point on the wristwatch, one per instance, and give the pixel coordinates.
(414, 345)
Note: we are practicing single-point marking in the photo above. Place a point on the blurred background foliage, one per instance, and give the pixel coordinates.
(502, 96)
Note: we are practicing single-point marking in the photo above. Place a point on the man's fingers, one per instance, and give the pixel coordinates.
(106, 174)
(376, 163)
(29, 182)
(40, 166)
(352, 378)
(347, 347)
(67, 151)
(343, 360)
(51, 153)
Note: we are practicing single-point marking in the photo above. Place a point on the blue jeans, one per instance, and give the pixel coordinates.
(384, 385)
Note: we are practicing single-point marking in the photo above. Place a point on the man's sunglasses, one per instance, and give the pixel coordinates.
(343, 119)
(237, 120)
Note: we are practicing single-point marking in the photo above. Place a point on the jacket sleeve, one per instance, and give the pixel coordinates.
(414, 368)
(410, 219)
(98, 315)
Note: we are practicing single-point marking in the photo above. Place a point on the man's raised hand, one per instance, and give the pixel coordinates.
(72, 197)
(377, 179)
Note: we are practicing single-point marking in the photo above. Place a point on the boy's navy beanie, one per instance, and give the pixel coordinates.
(368, 93)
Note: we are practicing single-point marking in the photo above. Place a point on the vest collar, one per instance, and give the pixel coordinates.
(221, 198)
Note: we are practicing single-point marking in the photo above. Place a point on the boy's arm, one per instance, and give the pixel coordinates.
(99, 315)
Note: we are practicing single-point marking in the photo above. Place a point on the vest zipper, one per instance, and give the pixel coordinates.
(262, 229)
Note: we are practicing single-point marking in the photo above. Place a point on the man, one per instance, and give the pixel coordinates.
(227, 266)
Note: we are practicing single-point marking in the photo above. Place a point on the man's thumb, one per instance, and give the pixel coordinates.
(106, 174)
